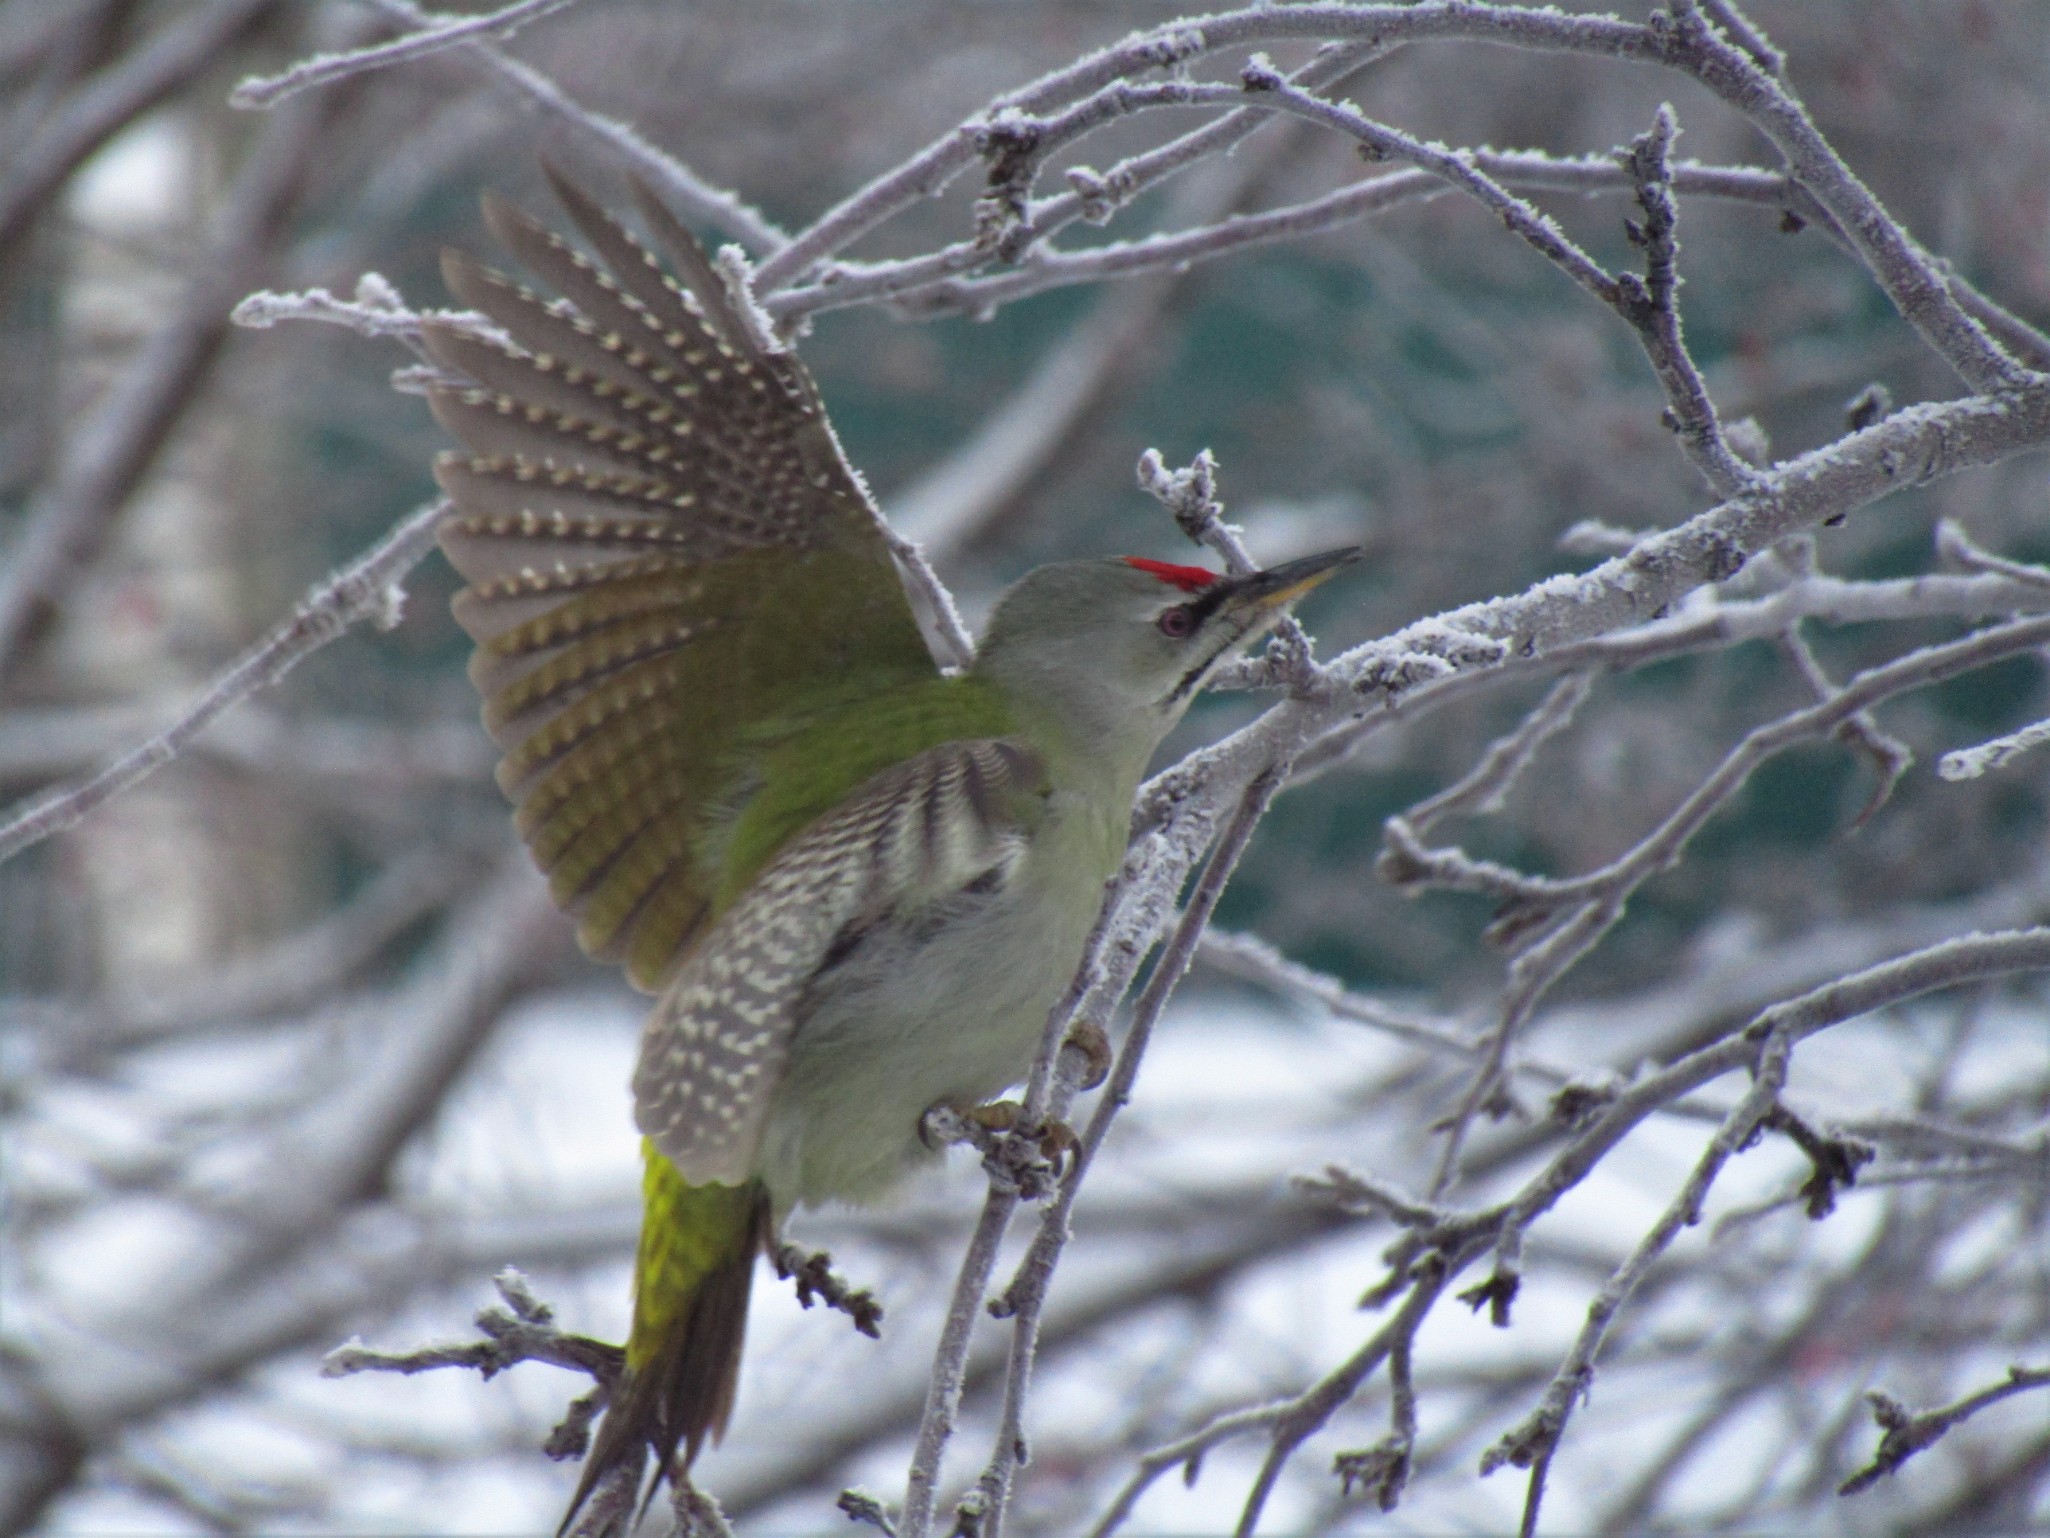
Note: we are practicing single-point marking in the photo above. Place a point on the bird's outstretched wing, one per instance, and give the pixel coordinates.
(951, 818)
(665, 551)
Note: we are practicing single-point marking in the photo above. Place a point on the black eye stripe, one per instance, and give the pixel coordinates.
(1205, 603)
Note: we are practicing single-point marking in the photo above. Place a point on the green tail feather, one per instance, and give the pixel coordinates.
(691, 1278)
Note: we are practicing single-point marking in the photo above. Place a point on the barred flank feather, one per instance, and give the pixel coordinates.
(715, 1045)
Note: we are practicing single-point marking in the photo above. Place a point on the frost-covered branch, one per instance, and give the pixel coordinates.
(1438, 1244)
(1456, 1102)
(1651, 306)
(1908, 1432)
(369, 588)
(1023, 1299)
(1902, 268)
(1530, 1445)
(912, 284)
(118, 443)
(523, 1331)
(323, 68)
(376, 310)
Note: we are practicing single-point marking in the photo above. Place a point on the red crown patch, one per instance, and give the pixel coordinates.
(1190, 579)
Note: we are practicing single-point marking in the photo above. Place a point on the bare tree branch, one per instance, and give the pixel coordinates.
(669, 176)
(1561, 741)
(1909, 1433)
(114, 98)
(324, 68)
(369, 588)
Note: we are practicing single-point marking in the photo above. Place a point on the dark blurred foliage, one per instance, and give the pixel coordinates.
(1421, 383)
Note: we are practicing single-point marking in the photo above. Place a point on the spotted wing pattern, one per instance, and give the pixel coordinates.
(714, 1047)
(664, 548)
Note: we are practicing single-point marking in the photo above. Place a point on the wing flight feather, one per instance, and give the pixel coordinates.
(665, 553)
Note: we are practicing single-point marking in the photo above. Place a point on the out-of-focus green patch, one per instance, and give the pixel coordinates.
(1991, 699)
(1796, 798)
(904, 394)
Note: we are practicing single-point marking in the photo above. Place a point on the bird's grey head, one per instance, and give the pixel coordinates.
(1116, 648)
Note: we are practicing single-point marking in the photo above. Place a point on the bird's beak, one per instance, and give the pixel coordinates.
(1267, 592)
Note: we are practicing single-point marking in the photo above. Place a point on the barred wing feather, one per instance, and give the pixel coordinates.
(664, 547)
(916, 833)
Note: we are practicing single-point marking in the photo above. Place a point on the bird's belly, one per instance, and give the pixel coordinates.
(948, 1010)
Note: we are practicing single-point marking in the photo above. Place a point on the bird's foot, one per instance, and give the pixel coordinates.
(949, 1122)
(1086, 1040)
(1056, 1139)
(816, 1281)
(995, 1115)
(1029, 1158)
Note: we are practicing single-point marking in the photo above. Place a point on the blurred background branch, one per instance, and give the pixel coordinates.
(1618, 774)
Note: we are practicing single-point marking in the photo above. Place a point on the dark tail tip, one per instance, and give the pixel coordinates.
(679, 1399)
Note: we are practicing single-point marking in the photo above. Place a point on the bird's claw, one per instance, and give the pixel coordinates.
(995, 1115)
(1056, 1139)
(947, 1122)
(816, 1282)
(1058, 1142)
(994, 1131)
(1086, 1038)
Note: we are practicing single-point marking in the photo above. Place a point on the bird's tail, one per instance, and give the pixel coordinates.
(691, 1277)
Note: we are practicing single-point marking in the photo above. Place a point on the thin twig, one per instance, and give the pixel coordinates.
(1024, 1299)
(1908, 1433)
(1910, 278)
(1431, 1254)
(678, 184)
(1652, 308)
(1363, 31)
(123, 436)
(323, 68)
(950, 504)
(116, 96)
(368, 588)
(523, 1331)
(943, 1393)
(1531, 1444)
(913, 285)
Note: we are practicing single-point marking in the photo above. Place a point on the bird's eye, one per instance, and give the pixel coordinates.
(1177, 623)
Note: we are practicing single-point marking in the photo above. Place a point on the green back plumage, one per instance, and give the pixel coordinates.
(667, 556)
(822, 755)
